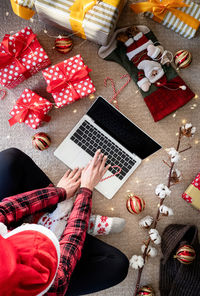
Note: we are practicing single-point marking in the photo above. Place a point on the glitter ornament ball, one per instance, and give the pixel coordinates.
(146, 290)
(41, 141)
(63, 44)
(185, 254)
(135, 204)
(182, 59)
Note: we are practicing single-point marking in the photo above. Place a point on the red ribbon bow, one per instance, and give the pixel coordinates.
(67, 79)
(14, 46)
(34, 106)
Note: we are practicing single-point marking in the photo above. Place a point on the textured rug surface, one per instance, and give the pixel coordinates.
(151, 172)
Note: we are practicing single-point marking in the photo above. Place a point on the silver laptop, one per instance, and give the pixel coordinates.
(104, 127)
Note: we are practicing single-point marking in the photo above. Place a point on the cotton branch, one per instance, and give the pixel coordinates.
(186, 131)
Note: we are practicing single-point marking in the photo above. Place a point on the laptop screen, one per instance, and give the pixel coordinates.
(122, 129)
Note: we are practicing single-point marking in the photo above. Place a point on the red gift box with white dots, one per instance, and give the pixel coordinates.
(192, 193)
(21, 56)
(27, 99)
(66, 82)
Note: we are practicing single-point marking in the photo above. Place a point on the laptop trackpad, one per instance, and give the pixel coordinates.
(81, 160)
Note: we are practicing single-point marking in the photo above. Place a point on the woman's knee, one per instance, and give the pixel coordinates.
(120, 266)
(11, 157)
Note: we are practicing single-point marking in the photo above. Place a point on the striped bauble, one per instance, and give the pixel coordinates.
(182, 58)
(185, 254)
(135, 204)
(41, 141)
(63, 44)
(146, 290)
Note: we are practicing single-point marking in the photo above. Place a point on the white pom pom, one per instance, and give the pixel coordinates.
(3, 229)
(136, 262)
(183, 87)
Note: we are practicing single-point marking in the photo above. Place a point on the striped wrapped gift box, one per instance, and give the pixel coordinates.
(175, 24)
(99, 22)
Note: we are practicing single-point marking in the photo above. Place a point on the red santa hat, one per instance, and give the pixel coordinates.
(29, 258)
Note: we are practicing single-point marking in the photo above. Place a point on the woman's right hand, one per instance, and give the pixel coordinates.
(94, 171)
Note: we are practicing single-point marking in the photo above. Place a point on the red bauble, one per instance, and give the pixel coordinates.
(185, 254)
(63, 44)
(135, 204)
(41, 141)
(145, 291)
(182, 59)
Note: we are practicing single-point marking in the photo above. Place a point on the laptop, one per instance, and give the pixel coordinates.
(105, 127)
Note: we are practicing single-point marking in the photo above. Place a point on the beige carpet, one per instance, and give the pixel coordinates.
(150, 173)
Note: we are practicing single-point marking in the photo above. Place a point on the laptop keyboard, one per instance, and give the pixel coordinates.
(90, 139)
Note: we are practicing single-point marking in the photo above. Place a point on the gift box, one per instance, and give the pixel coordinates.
(23, 8)
(31, 109)
(89, 19)
(192, 193)
(181, 16)
(68, 81)
(21, 56)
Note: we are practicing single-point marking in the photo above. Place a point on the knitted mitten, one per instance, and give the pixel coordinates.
(103, 225)
(177, 279)
(139, 52)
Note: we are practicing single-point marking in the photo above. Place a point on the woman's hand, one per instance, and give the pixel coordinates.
(71, 181)
(94, 171)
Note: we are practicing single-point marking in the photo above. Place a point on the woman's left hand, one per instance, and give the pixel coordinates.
(71, 181)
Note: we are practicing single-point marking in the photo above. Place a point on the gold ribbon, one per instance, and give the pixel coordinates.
(194, 193)
(24, 12)
(160, 8)
(79, 9)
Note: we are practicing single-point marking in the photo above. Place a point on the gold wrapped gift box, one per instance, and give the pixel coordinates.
(89, 19)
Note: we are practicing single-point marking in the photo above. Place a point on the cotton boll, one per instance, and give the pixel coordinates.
(162, 191)
(175, 156)
(136, 262)
(166, 211)
(188, 130)
(155, 236)
(152, 252)
(146, 222)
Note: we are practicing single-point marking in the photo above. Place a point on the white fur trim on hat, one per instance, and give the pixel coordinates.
(3, 229)
(46, 232)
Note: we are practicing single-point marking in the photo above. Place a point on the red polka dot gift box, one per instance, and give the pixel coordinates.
(69, 81)
(31, 109)
(21, 56)
(192, 193)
